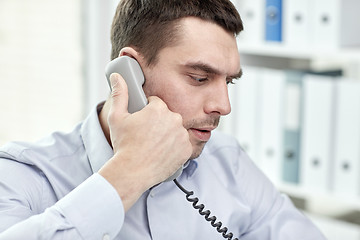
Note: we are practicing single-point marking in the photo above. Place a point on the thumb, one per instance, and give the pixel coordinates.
(119, 95)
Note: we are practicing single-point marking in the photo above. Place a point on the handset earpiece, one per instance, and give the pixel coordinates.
(131, 71)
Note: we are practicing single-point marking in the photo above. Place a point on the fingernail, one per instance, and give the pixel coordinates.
(113, 80)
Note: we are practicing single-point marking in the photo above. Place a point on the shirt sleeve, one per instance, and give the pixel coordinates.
(93, 210)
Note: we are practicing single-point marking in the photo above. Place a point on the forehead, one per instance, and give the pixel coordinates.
(205, 42)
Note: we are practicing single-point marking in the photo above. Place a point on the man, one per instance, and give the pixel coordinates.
(105, 179)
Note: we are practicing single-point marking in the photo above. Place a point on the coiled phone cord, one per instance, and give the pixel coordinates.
(205, 213)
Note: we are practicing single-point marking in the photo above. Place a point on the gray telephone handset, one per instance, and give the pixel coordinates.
(131, 71)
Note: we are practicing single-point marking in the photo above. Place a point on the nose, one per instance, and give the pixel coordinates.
(218, 99)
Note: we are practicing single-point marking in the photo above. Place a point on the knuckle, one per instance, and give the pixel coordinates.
(157, 105)
(162, 105)
(115, 92)
(178, 118)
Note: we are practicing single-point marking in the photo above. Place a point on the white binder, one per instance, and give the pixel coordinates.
(347, 139)
(317, 135)
(297, 25)
(252, 13)
(271, 122)
(335, 23)
(247, 111)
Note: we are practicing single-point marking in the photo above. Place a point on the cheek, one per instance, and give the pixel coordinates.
(175, 99)
(185, 102)
(176, 102)
(178, 97)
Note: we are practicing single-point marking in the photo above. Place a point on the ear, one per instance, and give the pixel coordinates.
(130, 52)
(133, 53)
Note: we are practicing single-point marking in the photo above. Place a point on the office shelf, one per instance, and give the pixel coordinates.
(282, 51)
(272, 55)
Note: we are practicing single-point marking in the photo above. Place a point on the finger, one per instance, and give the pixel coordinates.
(119, 95)
(153, 99)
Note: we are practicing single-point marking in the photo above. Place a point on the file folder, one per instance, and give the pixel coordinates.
(317, 132)
(273, 20)
(247, 117)
(252, 13)
(271, 122)
(292, 126)
(297, 23)
(347, 139)
(335, 23)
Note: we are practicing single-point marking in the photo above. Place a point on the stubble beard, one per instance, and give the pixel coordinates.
(198, 146)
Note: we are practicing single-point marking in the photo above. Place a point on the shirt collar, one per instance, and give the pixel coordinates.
(99, 150)
(97, 147)
(190, 168)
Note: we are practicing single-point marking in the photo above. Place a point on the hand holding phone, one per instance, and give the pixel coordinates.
(132, 73)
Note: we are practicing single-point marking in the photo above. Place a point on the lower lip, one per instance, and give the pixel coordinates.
(203, 136)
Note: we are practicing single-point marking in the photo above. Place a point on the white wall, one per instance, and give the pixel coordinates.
(97, 47)
(41, 84)
(52, 60)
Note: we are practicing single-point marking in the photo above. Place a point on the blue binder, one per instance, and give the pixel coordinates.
(273, 20)
(291, 156)
(292, 127)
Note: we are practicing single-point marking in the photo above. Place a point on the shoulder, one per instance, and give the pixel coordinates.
(48, 148)
(43, 168)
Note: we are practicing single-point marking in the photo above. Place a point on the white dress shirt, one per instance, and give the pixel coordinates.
(51, 190)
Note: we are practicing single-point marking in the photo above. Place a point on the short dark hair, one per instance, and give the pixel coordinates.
(151, 25)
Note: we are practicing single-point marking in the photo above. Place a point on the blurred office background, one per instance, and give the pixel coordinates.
(52, 60)
(53, 55)
(296, 110)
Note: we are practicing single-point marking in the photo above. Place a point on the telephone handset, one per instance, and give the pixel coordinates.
(132, 73)
(130, 70)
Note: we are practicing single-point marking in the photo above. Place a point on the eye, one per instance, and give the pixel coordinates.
(199, 79)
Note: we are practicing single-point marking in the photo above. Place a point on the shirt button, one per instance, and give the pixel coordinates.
(106, 237)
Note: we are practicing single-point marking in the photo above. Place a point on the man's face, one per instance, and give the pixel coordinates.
(191, 77)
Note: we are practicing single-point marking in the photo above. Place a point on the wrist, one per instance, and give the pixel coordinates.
(129, 185)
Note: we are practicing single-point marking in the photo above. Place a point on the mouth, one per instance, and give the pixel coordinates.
(202, 134)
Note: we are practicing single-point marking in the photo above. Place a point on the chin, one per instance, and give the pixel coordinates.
(197, 150)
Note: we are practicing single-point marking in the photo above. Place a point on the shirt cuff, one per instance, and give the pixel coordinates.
(94, 208)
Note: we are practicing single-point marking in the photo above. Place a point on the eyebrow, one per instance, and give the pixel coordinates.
(211, 70)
